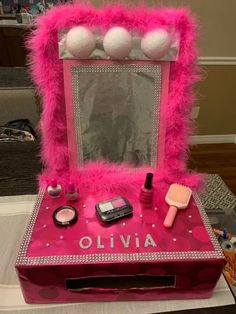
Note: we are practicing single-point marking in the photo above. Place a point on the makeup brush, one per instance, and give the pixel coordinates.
(177, 197)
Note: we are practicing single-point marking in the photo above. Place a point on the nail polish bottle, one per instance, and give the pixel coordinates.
(54, 189)
(146, 193)
(72, 192)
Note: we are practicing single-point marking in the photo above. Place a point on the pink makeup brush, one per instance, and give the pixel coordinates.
(177, 197)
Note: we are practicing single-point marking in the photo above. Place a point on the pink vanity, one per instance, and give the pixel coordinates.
(116, 106)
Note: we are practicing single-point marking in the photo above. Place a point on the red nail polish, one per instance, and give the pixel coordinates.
(146, 193)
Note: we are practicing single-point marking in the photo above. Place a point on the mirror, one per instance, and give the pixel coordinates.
(116, 112)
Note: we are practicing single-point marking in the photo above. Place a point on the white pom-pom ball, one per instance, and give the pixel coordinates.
(117, 42)
(155, 44)
(80, 42)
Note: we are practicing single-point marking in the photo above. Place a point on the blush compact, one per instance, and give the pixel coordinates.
(65, 215)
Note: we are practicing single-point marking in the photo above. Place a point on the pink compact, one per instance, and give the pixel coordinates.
(65, 215)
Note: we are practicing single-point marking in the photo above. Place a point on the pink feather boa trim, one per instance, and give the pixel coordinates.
(47, 73)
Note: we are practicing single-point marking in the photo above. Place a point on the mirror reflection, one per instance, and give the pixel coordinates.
(115, 114)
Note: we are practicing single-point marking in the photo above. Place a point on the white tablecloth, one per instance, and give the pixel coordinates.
(14, 215)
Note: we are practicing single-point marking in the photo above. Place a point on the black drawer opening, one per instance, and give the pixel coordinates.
(121, 282)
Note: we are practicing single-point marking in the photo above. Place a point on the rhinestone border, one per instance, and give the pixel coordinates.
(22, 255)
(104, 68)
(23, 260)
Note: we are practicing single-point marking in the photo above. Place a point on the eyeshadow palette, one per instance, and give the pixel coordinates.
(113, 209)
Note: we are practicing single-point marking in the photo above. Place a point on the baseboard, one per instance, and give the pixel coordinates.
(217, 60)
(211, 139)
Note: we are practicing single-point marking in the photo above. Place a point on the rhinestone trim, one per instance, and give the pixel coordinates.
(103, 68)
(77, 112)
(22, 258)
(22, 255)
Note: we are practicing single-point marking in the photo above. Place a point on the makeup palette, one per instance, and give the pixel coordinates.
(65, 215)
(113, 209)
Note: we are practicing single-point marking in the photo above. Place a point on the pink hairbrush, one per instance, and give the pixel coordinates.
(177, 197)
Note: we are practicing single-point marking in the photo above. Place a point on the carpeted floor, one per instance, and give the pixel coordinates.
(19, 166)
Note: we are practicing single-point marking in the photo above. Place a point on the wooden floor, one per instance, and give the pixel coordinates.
(19, 165)
(215, 158)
